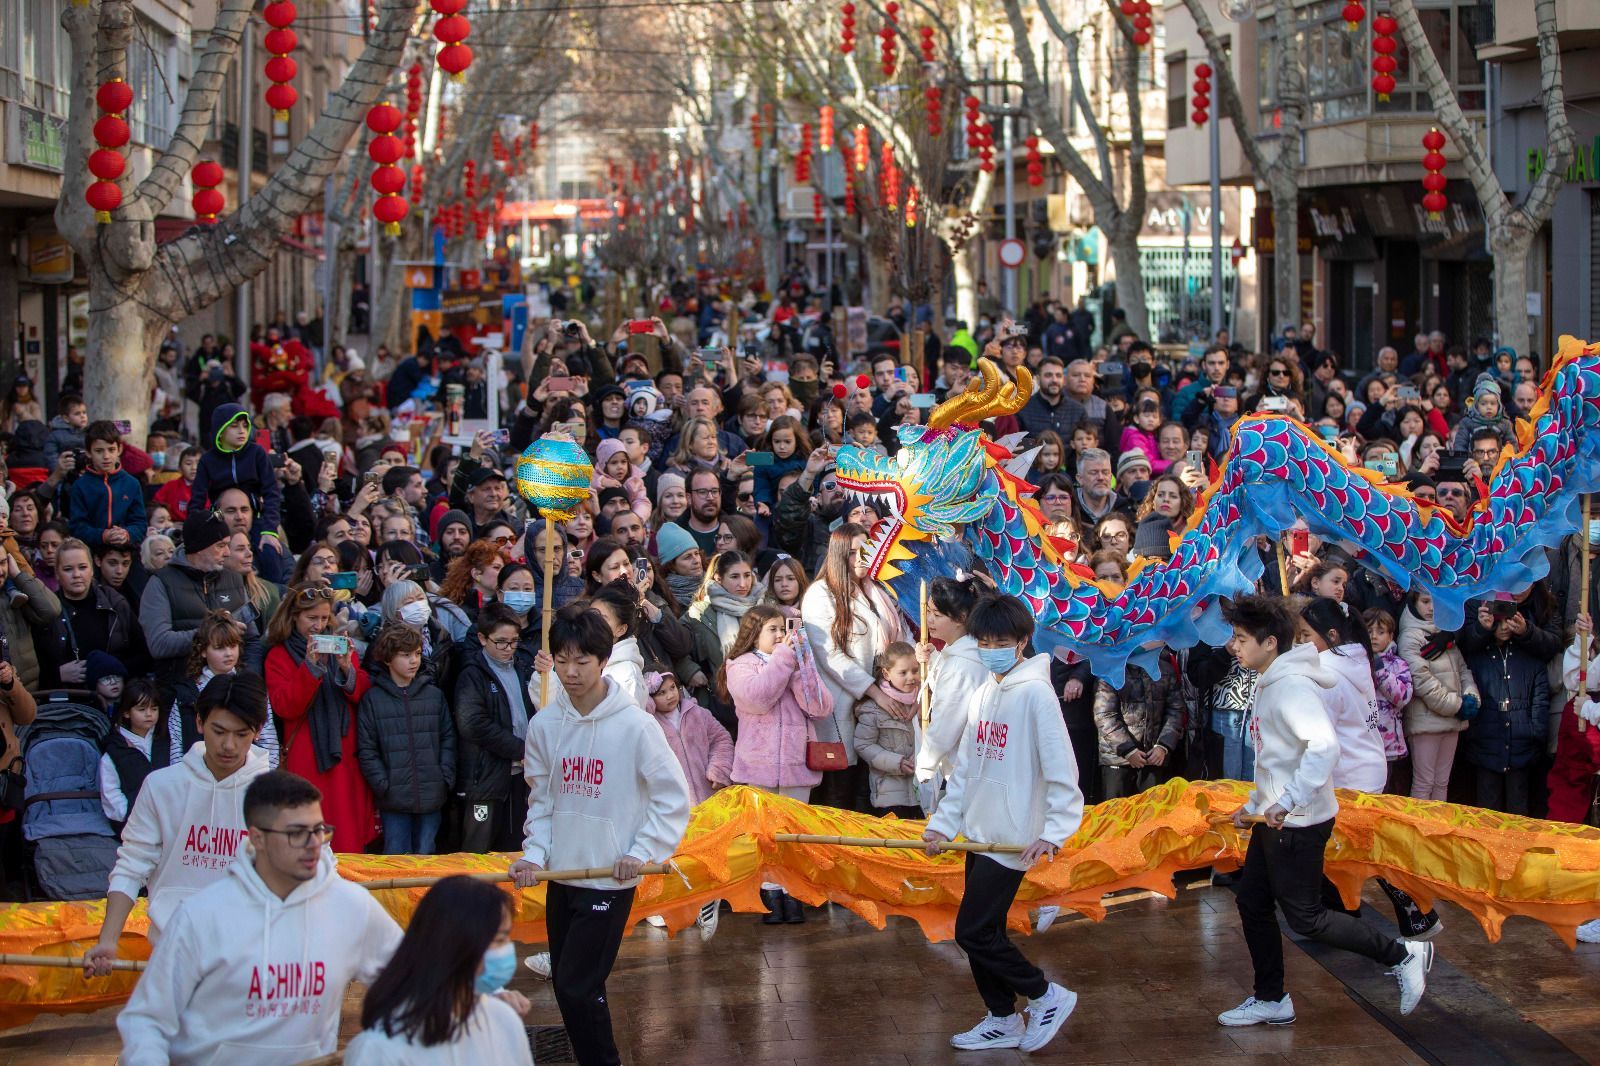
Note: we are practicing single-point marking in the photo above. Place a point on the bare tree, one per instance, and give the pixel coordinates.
(137, 290)
(1278, 169)
(1511, 227)
(1101, 183)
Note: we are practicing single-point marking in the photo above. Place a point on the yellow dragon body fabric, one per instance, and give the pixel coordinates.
(1493, 865)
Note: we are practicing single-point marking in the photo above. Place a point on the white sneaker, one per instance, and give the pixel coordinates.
(539, 963)
(710, 915)
(992, 1032)
(1045, 917)
(655, 921)
(1046, 1016)
(1413, 974)
(1589, 932)
(1255, 1011)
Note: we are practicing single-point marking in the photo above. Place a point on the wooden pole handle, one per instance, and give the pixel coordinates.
(593, 872)
(886, 842)
(1283, 567)
(922, 637)
(66, 962)
(1249, 819)
(549, 604)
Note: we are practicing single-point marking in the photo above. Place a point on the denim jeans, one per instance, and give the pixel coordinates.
(1238, 756)
(409, 834)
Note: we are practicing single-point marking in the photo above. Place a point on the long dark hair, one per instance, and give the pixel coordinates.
(429, 989)
(838, 574)
(1325, 614)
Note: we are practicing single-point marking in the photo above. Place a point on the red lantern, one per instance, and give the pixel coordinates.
(452, 29)
(114, 97)
(385, 150)
(1129, 8)
(1035, 162)
(389, 210)
(1201, 101)
(889, 35)
(445, 8)
(280, 69)
(825, 128)
(847, 29)
(454, 59)
(107, 164)
(383, 118)
(207, 174)
(388, 181)
(1434, 180)
(1141, 38)
(111, 131)
(1383, 60)
(208, 204)
(911, 207)
(1353, 15)
(105, 197)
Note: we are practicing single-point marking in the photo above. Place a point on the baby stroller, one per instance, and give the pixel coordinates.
(73, 844)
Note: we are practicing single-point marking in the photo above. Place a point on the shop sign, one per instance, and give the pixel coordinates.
(1584, 168)
(49, 258)
(35, 139)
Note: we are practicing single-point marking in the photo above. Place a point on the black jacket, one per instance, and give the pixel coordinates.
(487, 747)
(101, 621)
(799, 529)
(406, 744)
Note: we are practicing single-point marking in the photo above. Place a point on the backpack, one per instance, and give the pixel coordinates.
(74, 845)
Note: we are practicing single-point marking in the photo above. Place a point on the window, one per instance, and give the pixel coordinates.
(43, 54)
(156, 78)
(1177, 97)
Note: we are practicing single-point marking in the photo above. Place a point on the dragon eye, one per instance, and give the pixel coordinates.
(903, 457)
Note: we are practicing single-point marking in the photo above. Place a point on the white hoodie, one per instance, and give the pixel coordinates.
(954, 678)
(493, 1034)
(1016, 779)
(625, 667)
(1353, 709)
(183, 832)
(244, 978)
(1296, 747)
(600, 786)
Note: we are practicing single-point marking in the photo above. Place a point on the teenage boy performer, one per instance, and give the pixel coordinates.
(1296, 750)
(604, 790)
(1015, 782)
(254, 968)
(188, 823)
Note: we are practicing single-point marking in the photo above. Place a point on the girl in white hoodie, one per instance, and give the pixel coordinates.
(955, 674)
(187, 825)
(617, 603)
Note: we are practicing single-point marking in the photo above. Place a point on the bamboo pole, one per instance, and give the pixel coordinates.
(549, 602)
(885, 842)
(66, 962)
(922, 637)
(1283, 567)
(1583, 608)
(1249, 819)
(593, 872)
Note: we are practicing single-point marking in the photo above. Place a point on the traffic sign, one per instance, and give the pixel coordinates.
(1012, 253)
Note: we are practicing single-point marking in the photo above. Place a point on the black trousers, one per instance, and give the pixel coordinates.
(585, 927)
(999, 969)
(1508, 792)
(1120, 781)
(1283, 868)
(495, 825)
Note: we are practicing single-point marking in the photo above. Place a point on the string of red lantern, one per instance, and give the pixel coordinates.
(816, 208)
(1354, 14)
(911, 207)
(980, 135)
(416, 184)
(1433, 201)
(847, 29)
(825, 128)
(1383, 60)
(107, 163)
(281, 68)
(413, 108)
(1035, 162)
(208, 201)
(755, 130)
(1202, 94)
(889, 175)
(469, 179)
(889, 35)
(933, 103)
(1139, 12)
(533, 137)
(452, 30)
(849, 194)
(802, 159)
(388, 180)
(925, 42)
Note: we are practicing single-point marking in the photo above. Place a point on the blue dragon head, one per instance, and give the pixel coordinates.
(936, 480)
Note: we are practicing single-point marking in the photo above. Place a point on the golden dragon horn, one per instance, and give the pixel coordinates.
(978, 394)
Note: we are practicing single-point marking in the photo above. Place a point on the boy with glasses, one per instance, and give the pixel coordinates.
(259, 962)
(186, 826)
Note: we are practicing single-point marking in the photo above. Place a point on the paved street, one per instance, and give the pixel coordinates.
(1151, 978)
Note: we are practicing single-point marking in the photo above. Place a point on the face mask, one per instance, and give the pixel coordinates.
(1594, 534)
(499, 966)
(416, 613)
(520, 601)
(998, 660)
(158, 459)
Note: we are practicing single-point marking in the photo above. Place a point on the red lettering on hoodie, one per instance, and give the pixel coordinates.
(211, 847)
(286, 989)
(991, 740)
(581, 776)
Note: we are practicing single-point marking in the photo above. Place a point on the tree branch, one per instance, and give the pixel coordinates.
(1229, 102)
(1541, 200)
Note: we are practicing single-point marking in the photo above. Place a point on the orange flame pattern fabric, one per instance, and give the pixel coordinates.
(1491, 864)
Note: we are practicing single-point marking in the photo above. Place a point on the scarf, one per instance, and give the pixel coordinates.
(683, 587)
(725, 610)
(329, 714)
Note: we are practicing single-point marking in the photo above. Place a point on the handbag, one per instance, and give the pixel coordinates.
(824, 755)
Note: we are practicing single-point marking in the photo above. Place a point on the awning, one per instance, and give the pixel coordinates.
(594, 210)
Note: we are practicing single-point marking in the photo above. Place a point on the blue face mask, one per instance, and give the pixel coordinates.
(519, 601)
(999, 660)
(499, 966)
(158, 459)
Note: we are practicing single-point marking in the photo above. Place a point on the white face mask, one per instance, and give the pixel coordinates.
(416, 613)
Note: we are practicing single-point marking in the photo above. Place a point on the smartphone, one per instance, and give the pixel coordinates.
(641, 325)
(575, 555)
(344, 579)
(791, 625)
(924, 400)
(558, 384)
(757, 458)
(711, 368)
(903, 374)
(1299, 541)
(1385, 465)
(1196, 460)
(123, 426)
(329, 644)
(1408, 394)
(1277, 404)
(1225, 392)
(710, 353)
(641, 571)
(1329, 433)
(372, 477)
(418, 573)
(500, 437)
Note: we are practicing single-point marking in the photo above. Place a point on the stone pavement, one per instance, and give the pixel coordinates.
(1151, 979)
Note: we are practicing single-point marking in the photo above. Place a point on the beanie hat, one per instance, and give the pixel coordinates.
(1151, 538)
(1486, 384)
(1131, 458)
(101, 664)
(672, 540)
(668, 480)
(613, 493)
(602, 455)
(452, 518)
(201, 530)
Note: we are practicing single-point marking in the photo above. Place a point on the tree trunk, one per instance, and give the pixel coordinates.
(122, 334)
(878, 271)
(1129, 277)
(965, 281)
(1286, 307)
(1511, 245)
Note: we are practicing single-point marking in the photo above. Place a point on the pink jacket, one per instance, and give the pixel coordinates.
(703, 747)
(774, 719)
(633, 484)
(1134, 437)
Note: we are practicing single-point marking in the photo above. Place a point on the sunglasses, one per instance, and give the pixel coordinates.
(1278, 372)
(1451, 490)
(503, 540)
(746, 496)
